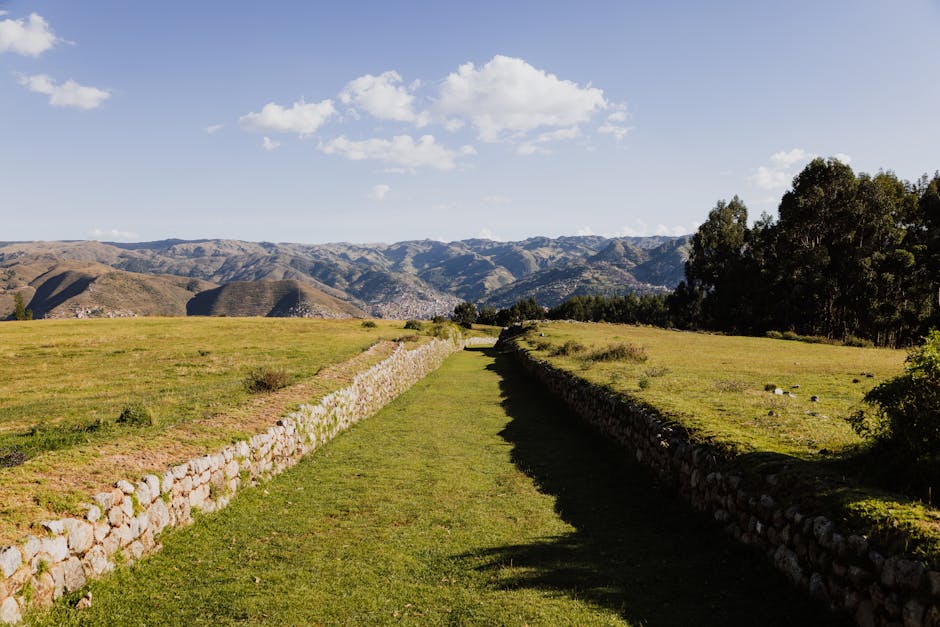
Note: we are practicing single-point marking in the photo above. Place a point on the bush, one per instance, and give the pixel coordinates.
(369, 324)
(569, 348)
(135, 415)
(857, 342)
(620, 352)
(413, 325)
(906, 409)
(266, 379)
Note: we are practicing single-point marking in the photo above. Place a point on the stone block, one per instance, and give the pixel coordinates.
(10, 561)
(73, 574)
(10, 612)
(81, 535)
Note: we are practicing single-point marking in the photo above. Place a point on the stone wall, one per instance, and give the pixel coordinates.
(125, 523)
(876, 583)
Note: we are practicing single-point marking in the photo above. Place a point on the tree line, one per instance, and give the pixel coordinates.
(849, 257)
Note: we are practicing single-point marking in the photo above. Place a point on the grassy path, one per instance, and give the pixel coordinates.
(469, 500)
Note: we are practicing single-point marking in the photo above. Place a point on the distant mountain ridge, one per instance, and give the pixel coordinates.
(410, 279)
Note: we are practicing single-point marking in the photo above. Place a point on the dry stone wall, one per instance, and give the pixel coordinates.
(875, 583)
(124, 523)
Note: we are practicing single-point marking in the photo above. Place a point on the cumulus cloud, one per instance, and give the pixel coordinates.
(29, 37)
(68, 94)
(302, 118)
(385, 97)
(844, 158)
(618, 131)
(535, 146)
(269, 144)
(112, 235)
(507, 96)
(379, 191)
(212, 129)
(585, 230)
(614, 124)
(770, 178)
(781, 170)
(400, 150)
(785, 159)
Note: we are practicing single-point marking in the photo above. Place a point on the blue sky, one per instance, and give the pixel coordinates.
(385, 121)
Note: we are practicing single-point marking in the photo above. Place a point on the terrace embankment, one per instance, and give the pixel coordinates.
(124, 523)
(873, 575)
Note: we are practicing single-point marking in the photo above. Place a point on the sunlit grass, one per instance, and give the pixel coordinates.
(471, 500)
(715, 384)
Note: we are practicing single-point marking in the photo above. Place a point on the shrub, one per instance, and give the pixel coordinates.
(135, 415)
(857, 342)
(644, 382)
(656, 371)
(369, 324)
(266, 379)
(620, 352)
(906, 409)
(569, 348)
(413, 325)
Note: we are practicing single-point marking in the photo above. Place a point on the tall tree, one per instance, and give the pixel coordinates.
(716, 264)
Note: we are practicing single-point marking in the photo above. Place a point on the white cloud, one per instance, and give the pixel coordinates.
(401, 150)
(844, 158)
(496, 199)
(616, 130)
(467, 150)
(534, 147)
(379, 191)
(785, 159)
(486, 233)
(385, 97)
(269, 144)
(212, 129)
(770, 178)
(617, 116)
(454, 124)
(112, 235)
(531, 149)
(30, 37)
(302, 118)
(781, 171)
(509, 96)
(585, 230)
(68, 94)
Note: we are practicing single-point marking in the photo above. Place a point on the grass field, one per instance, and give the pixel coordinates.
(471, 500)
(716, 384)
(64, 384)
(65, 377)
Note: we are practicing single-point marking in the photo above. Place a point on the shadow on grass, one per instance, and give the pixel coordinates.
(636, 549)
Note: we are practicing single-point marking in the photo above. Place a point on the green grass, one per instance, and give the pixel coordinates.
(715, 384)
(67, 382)
(715, 387)
(471, 500)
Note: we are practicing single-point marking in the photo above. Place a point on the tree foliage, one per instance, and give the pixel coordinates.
(848, 256)
(465, 314)
(907, 408)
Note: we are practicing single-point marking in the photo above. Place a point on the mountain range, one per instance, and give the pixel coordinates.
(412, 279)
